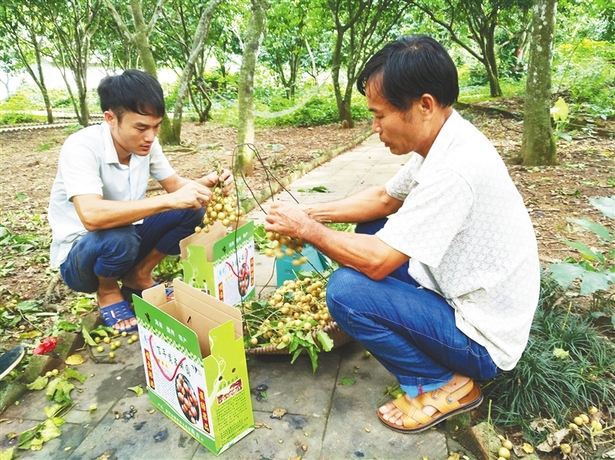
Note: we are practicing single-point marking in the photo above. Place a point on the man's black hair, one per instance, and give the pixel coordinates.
(410, 67)
(132, 91)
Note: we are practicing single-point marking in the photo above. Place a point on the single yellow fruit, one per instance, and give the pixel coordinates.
(117, 344)
(106, 340)
(596, 425)
(504, 452)
(100, 348)
(48, 374)
(593, 410)
(578, 421)
(254, 341)
(566, 449)
(55, 372)
(585, 418)
(124, 333)
(111, 355)
(506, 443)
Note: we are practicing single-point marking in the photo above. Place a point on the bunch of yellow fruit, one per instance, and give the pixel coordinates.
(221, 207)
(297, 305)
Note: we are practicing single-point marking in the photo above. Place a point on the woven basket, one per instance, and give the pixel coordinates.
(338, 336)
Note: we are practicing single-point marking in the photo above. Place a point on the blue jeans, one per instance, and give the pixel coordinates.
(410, 330)
(114, 252)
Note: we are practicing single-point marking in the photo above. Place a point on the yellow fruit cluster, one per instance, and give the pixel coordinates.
(297, 305)
(285, 245)
(223, 208)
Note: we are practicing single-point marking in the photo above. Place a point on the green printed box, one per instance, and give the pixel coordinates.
(195, 363)
(221, 263)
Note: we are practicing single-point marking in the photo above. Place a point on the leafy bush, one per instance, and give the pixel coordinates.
(565, 368)
(594, 267)
(585, 70)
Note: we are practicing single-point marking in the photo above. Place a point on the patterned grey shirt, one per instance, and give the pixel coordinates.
(469, 238)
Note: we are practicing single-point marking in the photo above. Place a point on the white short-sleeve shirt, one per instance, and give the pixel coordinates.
(89, 165)
(469, 238)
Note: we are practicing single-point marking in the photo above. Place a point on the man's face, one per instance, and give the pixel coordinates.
(134, 134)
(401, 131)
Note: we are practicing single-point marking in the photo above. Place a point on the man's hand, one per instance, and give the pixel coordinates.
(211, 179)
(192, 195)
(287, 219)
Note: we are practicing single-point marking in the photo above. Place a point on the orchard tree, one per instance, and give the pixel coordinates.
(132, 16)
(245, 97)
(190, 41)
(538, 144)
(472, 25)
(24, 24)
(360, 29)
(293, 28)
(74, 24)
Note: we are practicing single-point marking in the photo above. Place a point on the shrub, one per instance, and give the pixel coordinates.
(565, 368)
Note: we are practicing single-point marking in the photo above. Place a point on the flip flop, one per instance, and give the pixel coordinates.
(10, 359)
(114, 313)
(127, 292)
(447, 404)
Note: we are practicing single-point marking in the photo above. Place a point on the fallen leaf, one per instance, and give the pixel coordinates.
(75, 360)
(261, 425)
(278, 413)
(347, 381)
(137, 389)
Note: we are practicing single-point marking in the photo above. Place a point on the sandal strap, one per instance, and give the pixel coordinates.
(443, 400)
(116, 312)
(413, 412)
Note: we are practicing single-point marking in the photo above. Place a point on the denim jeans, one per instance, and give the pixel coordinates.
(410, 330)
(114, 252)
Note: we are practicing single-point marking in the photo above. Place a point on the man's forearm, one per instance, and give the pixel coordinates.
(369, 204)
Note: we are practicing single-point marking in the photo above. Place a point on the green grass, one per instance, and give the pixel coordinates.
(564, 370)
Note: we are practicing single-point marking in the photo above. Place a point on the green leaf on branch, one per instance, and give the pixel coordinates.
(325, 340)
(586, 252)
(593, 227)
(606, 205)
(594, 281)
(565, 273)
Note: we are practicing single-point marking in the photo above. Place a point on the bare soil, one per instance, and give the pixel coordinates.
(552, 193)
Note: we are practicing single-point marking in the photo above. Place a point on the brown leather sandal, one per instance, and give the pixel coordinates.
(447, 404)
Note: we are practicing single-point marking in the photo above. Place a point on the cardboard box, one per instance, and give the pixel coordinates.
(221, 263)
(195, 363)
(286, 270)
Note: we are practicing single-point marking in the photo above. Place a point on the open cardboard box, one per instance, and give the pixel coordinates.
(195, 363)
(221, 263)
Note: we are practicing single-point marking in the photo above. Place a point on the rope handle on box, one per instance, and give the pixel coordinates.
(151, 346)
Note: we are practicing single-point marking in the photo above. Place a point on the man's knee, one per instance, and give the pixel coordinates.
(341, 287)
(121, 243)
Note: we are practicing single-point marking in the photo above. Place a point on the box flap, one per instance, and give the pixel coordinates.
(202, 312)
(216, 231)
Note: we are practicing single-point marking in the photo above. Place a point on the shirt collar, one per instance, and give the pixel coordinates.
(441, 145)
(109, 148)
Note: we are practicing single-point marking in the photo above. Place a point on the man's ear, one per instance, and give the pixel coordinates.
(427, 105)
(109, 116)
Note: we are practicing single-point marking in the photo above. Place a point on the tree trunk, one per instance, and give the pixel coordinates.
(538, 145)
(245, 103)
(197, 46)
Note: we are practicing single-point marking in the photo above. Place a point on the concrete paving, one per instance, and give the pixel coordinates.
(324, 420)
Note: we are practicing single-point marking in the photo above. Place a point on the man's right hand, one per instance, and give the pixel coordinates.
(192, 195)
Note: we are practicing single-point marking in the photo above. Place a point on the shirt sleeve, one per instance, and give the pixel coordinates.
(159, 166)
(432, 215)
(80, 171)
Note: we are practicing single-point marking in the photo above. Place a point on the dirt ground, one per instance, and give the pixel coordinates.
(552, 193)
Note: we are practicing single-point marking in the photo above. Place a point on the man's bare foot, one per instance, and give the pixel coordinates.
(393, 415)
